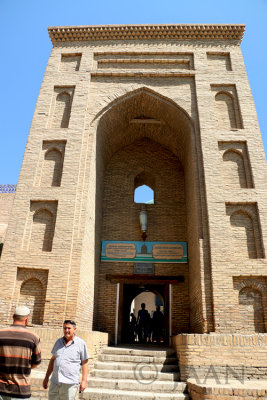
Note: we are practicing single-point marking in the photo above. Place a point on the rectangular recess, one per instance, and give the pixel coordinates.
(70, 62)
(219, 60)
(143, 60)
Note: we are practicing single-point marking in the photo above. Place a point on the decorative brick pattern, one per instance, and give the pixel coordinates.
(147, 32)
(143, 60)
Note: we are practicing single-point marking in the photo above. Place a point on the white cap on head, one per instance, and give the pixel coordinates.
(22, 311)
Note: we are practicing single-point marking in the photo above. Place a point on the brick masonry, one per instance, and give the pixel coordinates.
(221, 357)
(6, 202)
(231, 391)
(201, 153)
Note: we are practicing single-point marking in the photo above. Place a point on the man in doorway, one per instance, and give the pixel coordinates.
(158, 325)
(20, 352)
(69, 355)
(142, 324)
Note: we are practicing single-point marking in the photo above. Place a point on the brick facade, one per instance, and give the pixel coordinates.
(173, 111)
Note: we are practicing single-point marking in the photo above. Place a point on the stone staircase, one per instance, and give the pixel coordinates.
(133, 373)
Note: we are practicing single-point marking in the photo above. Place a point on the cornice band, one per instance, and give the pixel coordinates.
(146, 32)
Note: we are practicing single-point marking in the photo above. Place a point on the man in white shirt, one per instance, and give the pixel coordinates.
(69, 356)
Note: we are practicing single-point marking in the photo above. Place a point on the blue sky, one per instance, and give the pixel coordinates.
(25, 49)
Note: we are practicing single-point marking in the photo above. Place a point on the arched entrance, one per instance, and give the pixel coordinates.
(146, 135)
(131, 292)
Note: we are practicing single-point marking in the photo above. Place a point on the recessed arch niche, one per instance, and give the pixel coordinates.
(153, 124)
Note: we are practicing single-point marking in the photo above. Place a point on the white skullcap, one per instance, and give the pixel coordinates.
(22, 311)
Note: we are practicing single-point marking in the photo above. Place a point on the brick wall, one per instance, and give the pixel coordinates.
(216, 356)
(6, 202)
(254, 390)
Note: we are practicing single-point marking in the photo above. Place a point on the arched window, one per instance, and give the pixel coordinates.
(32, 295)
(144, 194)
(143, 185)
(251, 310)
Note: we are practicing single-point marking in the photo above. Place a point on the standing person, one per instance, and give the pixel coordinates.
(158, 325)
(132, 328)
(20, 352)
(142, 324)
(69, 355)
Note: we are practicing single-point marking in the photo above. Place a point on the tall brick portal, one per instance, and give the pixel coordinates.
(168, 106)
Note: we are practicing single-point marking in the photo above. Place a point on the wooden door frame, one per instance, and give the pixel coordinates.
(155, 280)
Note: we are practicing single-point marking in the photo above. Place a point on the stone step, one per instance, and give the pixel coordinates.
(136, 359)
(141, 351)
(110, 394)
(145, 373)
(142, 385)
(132, 366)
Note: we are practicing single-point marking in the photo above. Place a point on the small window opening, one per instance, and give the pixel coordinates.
(1, 248)
(144, 194)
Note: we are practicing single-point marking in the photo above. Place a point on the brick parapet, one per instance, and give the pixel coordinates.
(210, 390)
(206, 355)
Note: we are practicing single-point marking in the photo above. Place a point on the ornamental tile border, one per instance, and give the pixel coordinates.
(8, 188)
(146, 32)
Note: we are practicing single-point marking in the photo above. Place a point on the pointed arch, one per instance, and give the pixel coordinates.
(147, 91)
(143, 119)
(147, 181)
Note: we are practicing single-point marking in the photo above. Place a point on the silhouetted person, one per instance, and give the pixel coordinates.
(149, 328)
(132, 328)
(142, 320)
(158, 324)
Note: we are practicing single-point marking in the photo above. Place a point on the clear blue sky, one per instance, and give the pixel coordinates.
(25, 49)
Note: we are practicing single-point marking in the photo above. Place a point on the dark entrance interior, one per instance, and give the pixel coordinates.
(130, 291)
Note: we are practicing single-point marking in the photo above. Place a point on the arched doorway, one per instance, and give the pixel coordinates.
(132, 292)
(145, 134)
